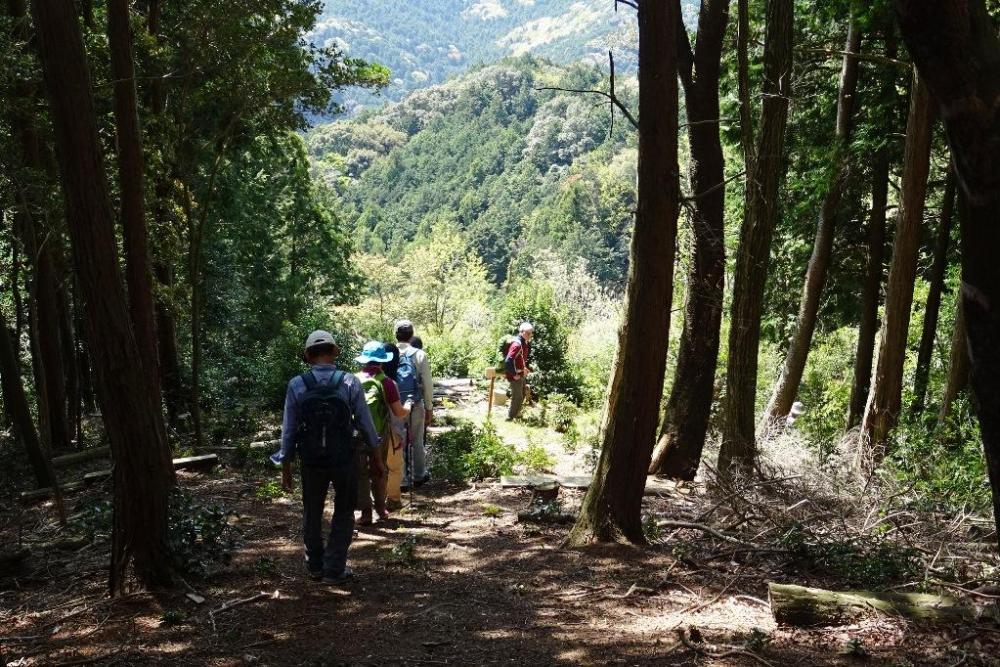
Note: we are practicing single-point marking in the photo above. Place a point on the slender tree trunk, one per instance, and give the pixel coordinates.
(872, 288)
(955, 46)
(685, 421)
(958, 366)
(753, 255)
(67, 340)
(131, 182)
(39, 243)
(16, 403)
(886, 393)
(166, 328)
(143, 473)
(933, 306)
(611, 509)
(787, 387)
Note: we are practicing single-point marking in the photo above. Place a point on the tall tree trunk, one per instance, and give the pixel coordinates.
(16, 403)
(611, 509)
(143, 473)
(886, 393)
(39, 243)
(685, 421)
(955, 46)
(753, 255)
(787, 387)
(131, 181)
(166, 329)
(67, 340)
(871, 290)
(933, 306)
(958, 366)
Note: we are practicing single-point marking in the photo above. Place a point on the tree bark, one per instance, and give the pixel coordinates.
(16, 403)
(955, 46)
(872, 289)
(933, 306)
(958, 366)
(131, 182)
(166, 330)
(685, 421)
(787, 386)
(611, 509)
(142, 474)
(39, 243)
(886, 393)
(738, 443)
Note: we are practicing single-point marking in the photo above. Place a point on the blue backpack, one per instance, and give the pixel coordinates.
(408, 377)
(325, 436)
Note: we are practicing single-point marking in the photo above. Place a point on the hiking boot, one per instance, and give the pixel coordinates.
(341, 577)
(315, 573)
(423, 480)
(366, 518)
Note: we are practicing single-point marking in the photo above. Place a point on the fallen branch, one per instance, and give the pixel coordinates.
(670, 523)
(719, 655)
(237, 603)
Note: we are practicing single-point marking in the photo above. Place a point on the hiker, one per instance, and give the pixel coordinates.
(382, 397)
(413, 378)
(417, 342)
(323, 407)
(516, 367)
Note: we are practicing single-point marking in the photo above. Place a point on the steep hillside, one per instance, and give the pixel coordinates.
(423, 42)
(517, 169)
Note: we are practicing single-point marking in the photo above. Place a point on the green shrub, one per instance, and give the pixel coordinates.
(490, 456)
(199, 536)
(871, 563)
(535, 459)
(471, 453)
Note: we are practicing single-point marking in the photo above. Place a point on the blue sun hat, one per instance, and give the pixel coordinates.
(373, 351)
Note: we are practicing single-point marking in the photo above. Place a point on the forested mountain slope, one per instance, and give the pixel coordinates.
(423, 42)
(516, 168)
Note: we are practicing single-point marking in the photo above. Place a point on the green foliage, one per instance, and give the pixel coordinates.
(946, 465)
(554, 411)
(403, 554)
(874, 562)
(268, 491)
(469, 452)
(492, 511)
(173, 617)
(538, 304)
(651, 529)
(199, 536)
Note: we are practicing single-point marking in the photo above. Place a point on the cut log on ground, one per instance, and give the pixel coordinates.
(654, 485)
(203, 463)
(803, 607)
(67, 460)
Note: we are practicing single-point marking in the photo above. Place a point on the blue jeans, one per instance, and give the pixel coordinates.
(316, 484)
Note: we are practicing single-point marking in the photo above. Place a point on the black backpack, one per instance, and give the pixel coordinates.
(325, 436)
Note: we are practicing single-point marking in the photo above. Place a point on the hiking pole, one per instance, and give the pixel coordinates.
(409, 454)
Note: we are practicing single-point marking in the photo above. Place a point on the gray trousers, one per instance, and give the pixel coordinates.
(415, 451)
(516, 398)
(316, 483)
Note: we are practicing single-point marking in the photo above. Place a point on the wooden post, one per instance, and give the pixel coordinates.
(491, 373)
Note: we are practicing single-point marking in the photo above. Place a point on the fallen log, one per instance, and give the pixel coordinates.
(75, 458)
(802, 607)
(203, 463)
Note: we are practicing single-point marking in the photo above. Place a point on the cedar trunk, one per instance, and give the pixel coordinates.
(16, 404)
(40, 248)
(685, 421)
(787, 387)
(763, 180)
(886, 393)
(955, 46)
(130, 178)
(872, 289)
(143, 474)
(933, 306)
(958, 366)
(611, 509)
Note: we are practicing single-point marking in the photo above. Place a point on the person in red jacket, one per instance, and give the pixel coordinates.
(517, 369)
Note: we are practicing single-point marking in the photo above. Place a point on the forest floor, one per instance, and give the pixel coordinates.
(456, 579)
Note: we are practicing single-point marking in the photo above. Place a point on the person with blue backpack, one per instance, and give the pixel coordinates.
(323, 408)
(416, 386)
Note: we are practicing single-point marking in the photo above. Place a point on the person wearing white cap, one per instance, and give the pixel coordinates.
(516, 367)
(323, 407)
(413, 378)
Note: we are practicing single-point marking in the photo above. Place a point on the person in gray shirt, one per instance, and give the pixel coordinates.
(334, 401)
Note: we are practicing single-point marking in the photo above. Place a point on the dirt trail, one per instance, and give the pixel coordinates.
(454, 580)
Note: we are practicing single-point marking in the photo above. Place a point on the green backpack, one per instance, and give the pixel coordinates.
(375, 398)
